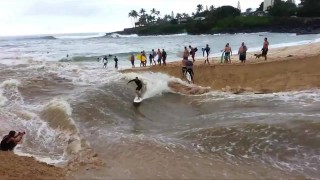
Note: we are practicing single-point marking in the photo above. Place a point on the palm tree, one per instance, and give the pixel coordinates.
(142, 11)
(178, 16)
(199, 8)
(212, 8)
(153, 11)
(133, 14)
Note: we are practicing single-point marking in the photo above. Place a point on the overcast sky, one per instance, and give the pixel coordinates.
(25, 17)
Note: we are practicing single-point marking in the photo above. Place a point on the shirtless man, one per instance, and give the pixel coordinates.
(265, 48)
(185, 53)
(243, 53)
(192, 52)
(159, 57)
(227, 53)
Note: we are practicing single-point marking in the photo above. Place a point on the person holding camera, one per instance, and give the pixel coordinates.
(10, 141)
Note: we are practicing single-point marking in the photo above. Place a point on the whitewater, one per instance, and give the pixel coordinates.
(75, 113)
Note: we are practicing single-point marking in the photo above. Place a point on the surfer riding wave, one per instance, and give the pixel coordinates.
(139, 86)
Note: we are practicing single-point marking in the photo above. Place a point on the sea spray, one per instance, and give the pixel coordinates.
(78, 152)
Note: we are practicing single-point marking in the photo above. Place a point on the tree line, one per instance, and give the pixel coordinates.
(281, 8)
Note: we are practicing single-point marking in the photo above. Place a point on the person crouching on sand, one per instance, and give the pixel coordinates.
(243, 53)
(227, 53)
(10, 141)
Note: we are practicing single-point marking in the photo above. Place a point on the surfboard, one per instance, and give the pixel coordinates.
(143, 58)
(180, 54)
(188, 76)
(222, 56)
(137, 100)
(138, 57)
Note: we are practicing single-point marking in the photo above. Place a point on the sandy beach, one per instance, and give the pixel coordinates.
(287, 69)
(16, 167)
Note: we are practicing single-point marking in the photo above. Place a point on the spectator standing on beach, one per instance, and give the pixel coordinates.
(154, 54)
(150, 59)
(144, 60)
(207, 50)
(115, 62)
(164, 57)
(132, 60)
(159, 57)
(10, 141)
(265, 48)
(185, 53)
(243, 53)
(105, 61)
(192, 53)
(227, 53)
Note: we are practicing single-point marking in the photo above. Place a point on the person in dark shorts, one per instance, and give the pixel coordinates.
(10, 141)
(192, 53)
(243, 53)
(150, 59)
(105, 61)
(132, 60)
(207, 50)
(159, 56)
(164, 57)
(189, 67)
(139, 85)
(115, 62)
(265, 48)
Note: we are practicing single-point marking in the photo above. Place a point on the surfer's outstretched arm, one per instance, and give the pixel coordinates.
(131, 81)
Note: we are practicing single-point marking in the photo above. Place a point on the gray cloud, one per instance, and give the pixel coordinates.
(71, 8)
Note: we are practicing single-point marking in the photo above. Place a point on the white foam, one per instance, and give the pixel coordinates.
(59, 104)
(79, 36)
(10, 83)
(3, 99)
(116, 35)
(156, 83)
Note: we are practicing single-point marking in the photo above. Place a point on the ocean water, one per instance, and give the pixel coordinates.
(75, 113)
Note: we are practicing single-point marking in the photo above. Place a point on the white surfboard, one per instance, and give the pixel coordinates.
(188, 76)
(180, 54)
(137, 100)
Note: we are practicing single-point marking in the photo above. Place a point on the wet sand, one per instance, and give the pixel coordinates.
(287, 69)
(16, 167)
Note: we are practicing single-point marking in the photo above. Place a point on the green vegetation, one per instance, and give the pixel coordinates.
(281, 15)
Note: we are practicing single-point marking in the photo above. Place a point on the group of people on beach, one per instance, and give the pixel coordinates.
(159, 57)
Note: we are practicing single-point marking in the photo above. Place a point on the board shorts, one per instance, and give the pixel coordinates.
(264, 51)
(139, 88)
(227, 55)
(242, 56)
(190, 71)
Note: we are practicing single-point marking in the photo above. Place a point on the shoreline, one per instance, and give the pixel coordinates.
(287, 69)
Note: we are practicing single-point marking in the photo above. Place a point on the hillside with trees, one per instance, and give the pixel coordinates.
(283, 16)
